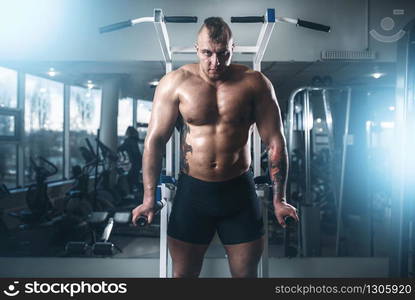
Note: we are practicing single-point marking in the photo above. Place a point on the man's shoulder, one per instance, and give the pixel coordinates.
(246, 72)
(180, 74)
(250, 76)
(172, 80)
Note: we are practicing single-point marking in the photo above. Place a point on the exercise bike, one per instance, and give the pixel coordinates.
(80, 201)
(40, 208)
(4, 230)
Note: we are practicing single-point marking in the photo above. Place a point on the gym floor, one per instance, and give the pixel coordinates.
(145, 243)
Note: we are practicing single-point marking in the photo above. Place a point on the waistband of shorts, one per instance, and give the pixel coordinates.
(246, 174)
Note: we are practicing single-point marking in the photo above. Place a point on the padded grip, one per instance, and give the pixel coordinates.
(116, 26)
(251, 19)
(314, 26)
(180, 19)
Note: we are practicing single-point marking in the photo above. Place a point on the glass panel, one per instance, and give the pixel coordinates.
(144, 111)
(85, 113)
(125, 115)
(8, 174)
(125, 119)
(43, 123)
(143, 118)
(8, 88)
(7, 125)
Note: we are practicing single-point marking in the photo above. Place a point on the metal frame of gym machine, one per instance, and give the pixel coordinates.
(173, 145)
(338, 194)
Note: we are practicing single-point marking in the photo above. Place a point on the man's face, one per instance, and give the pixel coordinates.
(214, 57)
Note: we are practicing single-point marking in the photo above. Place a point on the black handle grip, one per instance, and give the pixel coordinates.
(289, 220)
(116, 26)
(251, 19)
(180, 19)
(142, 220)
(314, 26)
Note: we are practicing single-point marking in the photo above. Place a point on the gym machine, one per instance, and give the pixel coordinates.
(300, 119)
(40, 208)
(173, 147)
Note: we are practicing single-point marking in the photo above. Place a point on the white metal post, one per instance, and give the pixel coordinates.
(263, 271)
(176, 153)
(162, 35)
(21, 95)
(264, 35)
(66, 128)
(257, 140)
(165, 264)
(261, 46)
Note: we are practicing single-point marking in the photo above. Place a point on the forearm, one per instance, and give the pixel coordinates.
(278, 168)
(152, 162)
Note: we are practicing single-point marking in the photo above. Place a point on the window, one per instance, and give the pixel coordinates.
(144, 111)
(10, 122)
(9, 127)
(125, 115)
(43, 124)
(143, 118)
(8, 88)
(85, 113)
(8, 174)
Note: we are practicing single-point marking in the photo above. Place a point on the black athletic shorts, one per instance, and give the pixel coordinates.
(230, 207)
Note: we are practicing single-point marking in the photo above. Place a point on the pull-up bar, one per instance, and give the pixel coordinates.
(268, 20)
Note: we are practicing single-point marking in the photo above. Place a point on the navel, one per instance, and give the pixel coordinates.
(213, 164)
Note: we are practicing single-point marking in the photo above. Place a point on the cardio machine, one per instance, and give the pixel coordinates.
(4, 193)
(40, 208)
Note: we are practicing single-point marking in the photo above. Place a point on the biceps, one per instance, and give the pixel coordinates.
(162, 122)
(268, 120)
(164, 113)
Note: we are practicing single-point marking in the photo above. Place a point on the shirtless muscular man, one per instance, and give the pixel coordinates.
(216, 104)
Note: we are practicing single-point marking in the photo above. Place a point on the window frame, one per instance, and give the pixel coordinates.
(17, 115)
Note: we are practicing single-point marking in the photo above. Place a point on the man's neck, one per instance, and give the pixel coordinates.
(216, 82)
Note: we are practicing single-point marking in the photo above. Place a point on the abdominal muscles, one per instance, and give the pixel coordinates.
(217, 153)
